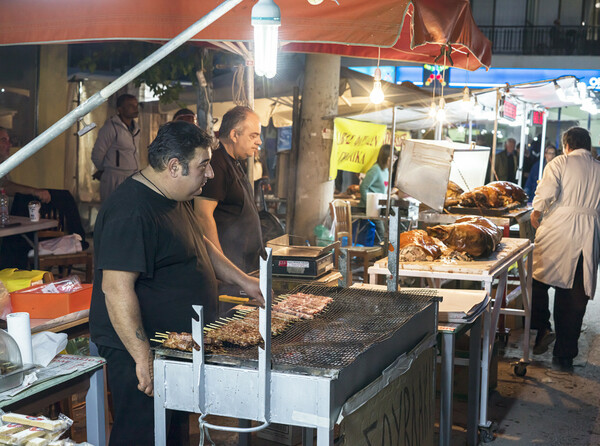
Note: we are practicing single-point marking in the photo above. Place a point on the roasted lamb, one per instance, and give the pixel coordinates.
(494, 195)
(476, 236)
(418, 246)
(453, 193)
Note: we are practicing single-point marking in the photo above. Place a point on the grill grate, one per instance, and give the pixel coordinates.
(354, 321)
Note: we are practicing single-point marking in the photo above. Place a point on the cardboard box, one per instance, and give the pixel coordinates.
(51, 305)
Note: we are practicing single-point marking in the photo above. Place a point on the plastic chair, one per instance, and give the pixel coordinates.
(341, 216)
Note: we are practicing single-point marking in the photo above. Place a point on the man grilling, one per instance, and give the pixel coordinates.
(152, 264)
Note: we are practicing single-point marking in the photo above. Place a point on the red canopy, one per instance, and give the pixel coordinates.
(404, 30)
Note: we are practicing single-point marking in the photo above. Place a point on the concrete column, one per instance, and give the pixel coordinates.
(314, 191)
(49, 163)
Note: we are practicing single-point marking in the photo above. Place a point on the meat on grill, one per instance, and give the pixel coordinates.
(494, 195)
(417, 246)
(180, 341)
(453, 192)
(244, 331)
(476, 236)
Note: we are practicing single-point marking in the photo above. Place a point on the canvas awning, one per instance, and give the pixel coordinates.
(408, 30)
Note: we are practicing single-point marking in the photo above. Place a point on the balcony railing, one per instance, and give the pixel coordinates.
(544, 40)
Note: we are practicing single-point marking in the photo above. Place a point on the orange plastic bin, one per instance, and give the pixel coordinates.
(51, 305)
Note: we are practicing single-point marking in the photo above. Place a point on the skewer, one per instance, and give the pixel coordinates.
(160, 335)
(157, 340)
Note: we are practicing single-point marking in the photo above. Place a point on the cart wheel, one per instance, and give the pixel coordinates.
(486, 434)
(520, 369)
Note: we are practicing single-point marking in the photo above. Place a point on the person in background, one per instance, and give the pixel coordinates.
(14, 249)
(226, 208)
(152, 263)
(375, 181)
(507, 162)
(10, 187)
(185, 114)
(532, 179)
(567, 245)
(116, 152)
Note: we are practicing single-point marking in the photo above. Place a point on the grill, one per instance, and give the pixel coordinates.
(304, 376)
(349, 326)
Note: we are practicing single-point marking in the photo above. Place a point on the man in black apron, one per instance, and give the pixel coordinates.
(226, 208)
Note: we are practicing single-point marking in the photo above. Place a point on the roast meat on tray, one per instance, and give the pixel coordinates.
(476, 236)
(494, 195)
(453, 193)
(467, 238)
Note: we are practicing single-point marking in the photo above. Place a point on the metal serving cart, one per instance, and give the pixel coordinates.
(315, 373)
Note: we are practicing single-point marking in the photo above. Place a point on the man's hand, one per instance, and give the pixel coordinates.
(43, 195)
(535, 219)
(251, 286)
(145, 375)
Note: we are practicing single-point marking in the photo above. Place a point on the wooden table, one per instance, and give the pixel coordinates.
(495, 267)
(25, 226)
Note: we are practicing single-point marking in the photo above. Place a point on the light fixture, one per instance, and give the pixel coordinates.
(377, 95)
(477, 107)
(440, 116)
(315, 2)
(266, 18)
(467, 102)
(432, 110)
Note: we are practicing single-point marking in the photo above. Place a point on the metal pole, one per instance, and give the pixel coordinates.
(250, 96)
(99, 98)
(470, 129)
(558, 129)
(390, 180)
(495, 137)
(522, 142)
(543, 144)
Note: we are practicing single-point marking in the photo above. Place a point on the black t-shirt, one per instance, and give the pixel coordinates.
(141, 231)
(224, 187)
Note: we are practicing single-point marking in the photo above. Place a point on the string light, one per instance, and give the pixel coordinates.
(377, 95)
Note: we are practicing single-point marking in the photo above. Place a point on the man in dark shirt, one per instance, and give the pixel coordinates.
(152, 263)
(507, 162)
(226, 209)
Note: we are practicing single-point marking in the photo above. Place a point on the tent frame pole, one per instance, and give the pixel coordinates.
(390, 180)
(543, 144)
(522, 142)
(495, 136)
(102, 96)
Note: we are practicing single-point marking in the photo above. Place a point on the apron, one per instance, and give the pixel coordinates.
(240, 235)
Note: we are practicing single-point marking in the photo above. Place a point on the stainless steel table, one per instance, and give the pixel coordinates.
(25, 226)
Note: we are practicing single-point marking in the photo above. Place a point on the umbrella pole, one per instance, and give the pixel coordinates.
(250, 97)
(102, 96)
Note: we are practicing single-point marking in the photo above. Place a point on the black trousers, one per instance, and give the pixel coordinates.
(569, 308)
(133, 410)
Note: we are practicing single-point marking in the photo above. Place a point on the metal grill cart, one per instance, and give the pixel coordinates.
(486, 271)
(323, 370)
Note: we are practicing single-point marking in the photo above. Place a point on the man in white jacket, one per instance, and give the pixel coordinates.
(116, 152)
(567, 245)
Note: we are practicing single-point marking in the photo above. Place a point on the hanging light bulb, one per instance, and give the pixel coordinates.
(432, 110)
(440, 116)
(377, 95)
(266, 18)
(467, 103)
(560, 92)
(477, 107)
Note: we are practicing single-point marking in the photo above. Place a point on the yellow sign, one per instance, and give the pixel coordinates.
(355, 145)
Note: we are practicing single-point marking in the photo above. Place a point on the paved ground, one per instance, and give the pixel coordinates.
(547, 406)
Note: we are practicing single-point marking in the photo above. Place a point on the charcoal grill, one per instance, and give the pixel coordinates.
(317, 365)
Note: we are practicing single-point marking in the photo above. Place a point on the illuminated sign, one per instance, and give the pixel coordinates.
(509, 110)
(537, 117)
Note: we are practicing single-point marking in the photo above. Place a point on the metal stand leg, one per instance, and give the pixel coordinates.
(308, 434)
(36, 251)
(525, 279)
(244, 438)
(485, 362)
(447, 384)
(94, 405)
(160, 415)
(474, 382)
(324, 436)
